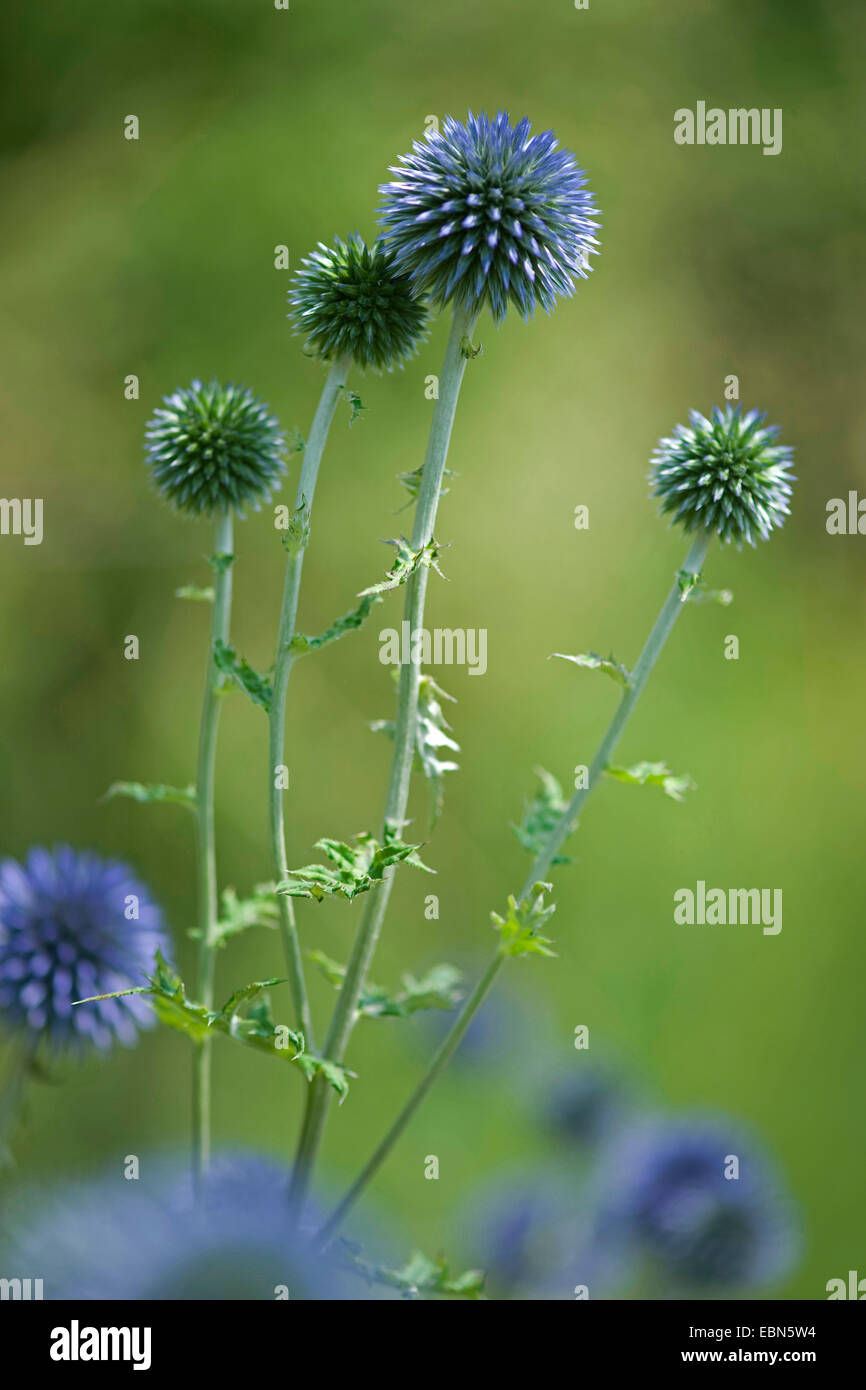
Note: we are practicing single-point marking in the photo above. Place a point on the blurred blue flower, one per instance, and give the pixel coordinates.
(670, 1203)
(486, 212)
(586, 1104)
(527, 1233)
(74, 925)
(148, 1239)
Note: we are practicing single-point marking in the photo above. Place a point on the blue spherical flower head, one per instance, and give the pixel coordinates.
(724, 474)
(486, 212)
(349, 300)
(152, 1240)
(68, 931)
(214, 448)
(675, 1197)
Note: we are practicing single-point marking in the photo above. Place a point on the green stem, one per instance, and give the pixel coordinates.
(283, 661)
(376, 905)
(542, 864)
(208, 903)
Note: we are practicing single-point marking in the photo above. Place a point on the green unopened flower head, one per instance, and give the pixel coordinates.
(214, 448)
(349, 300)
(724, 474)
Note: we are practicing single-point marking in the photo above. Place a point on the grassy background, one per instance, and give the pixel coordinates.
(261, 127)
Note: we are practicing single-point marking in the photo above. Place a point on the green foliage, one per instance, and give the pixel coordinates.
(357, 868)
(356, 405)
(594, 662)
(336, 1075)
(257, 686)
(153, 791)
(405, 565)
(688, 583)
(256, 1029)
(520, 928)
(412, 482)
(419, 1276)
(541, 815)
(221, 562)
(239, 914)
(296, 535)
(195, 593)
(655, 775)
(438, 989)
(348, 623)
(431, 737)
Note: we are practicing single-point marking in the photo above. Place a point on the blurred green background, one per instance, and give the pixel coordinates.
(156, 257)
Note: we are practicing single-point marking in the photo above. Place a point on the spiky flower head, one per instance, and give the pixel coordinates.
(349, 299)
(73, 925)
(100, 1238)
(725, 474)
(486, 212)
(213, 448)
(695, 1198)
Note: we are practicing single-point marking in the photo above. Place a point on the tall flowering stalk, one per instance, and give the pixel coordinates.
(212, 450)
(354, 309)
(482, 214)
(724, 476)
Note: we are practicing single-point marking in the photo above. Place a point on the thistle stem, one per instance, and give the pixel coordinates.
(283, 662)
(376, 905)
(541, 866)
(208, 903)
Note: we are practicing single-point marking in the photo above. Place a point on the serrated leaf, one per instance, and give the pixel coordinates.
(419, 1276)
(175, 1009)
(357, 868)
(431, 736)
(405, 565)
(520, 928)
(435, 990)
(257, 686)
(153, 791)
(195, 593)
(541, 815)
(412, 483)
(296, 535)
(239, 914)
(336, 1075)
(655, 775)
(300, 643)
(356, 405)
(594, 662)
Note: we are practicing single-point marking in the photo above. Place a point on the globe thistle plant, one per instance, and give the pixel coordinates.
(672, 1197)
(214, 448)
(349, 300)
(486, 212)
(725, 475)
(66, 934)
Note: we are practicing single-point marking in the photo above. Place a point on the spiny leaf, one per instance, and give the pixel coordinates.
(356, 405)
(221, 562)
(412, 483)
(419, 1276)
(349, 621)
(405, 565)
(175, 1009)
(296, 534)
(430, 738)
(655, 775)
(152, 791)
(336, 1075)
(238, 914)
(258, 687)
(358, 867)
(435, 990)
(195, 593)
(687, 582)
(520, 928)
(594, 662)
(541, 815)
